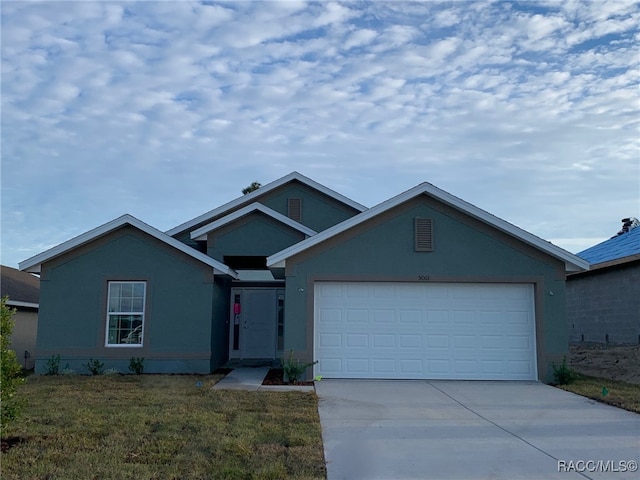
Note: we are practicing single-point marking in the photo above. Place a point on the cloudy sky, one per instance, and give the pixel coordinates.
(165, 110)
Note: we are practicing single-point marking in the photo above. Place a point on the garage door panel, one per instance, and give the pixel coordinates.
(329, 340)
(520, 367)
(437, 316)
(356, 340)
(438, 341)
(384, 341)
(409, 316)
(424, 330)
(356, 316)
(327, 290)
(357, 366)
(463, 317)
(410, 341)
(331, 366)
(330, 315)
(411, 366)
(518, 342)
(383, 316)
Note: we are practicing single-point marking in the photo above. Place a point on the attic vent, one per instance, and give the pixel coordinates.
(424, 234)
(294, 207)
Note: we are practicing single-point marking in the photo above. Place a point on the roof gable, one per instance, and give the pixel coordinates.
(624, 245)
(201, 233)
(34, 263)
(572, 262)
(256, 194)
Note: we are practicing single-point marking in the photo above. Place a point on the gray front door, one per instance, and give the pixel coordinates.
(258, 323)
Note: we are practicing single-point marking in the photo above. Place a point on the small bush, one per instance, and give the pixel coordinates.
(294, 369)
(563, 374)
(10, 370)
(94, 366)
(53, 365)
(136, 365)
(111, 371)
(67, 370)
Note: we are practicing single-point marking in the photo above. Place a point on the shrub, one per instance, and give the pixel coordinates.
(94, 366)
(53, 365)
(563, 374)
(294, 368)
(111, 371)
(10, 370)
(136, 365)
(67, 370)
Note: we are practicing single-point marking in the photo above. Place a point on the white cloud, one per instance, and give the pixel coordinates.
(114, 107)
(359, 38)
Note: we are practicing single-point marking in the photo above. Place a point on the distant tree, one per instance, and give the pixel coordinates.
(254, 186)
(10, 369)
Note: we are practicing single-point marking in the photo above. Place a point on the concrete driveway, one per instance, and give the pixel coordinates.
(376, 429)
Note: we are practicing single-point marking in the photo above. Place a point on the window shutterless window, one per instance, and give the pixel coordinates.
(125, 314)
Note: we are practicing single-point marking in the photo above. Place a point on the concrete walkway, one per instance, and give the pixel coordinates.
(250, 378)
(472, 430)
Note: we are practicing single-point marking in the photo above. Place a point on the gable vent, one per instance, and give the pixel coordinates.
(423, 234)
(294, 209)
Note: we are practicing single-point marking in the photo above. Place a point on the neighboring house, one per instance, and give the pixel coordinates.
(423, 285)
(23, 290)
(603, 304)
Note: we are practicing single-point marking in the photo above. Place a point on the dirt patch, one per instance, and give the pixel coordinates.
(615, 363)
(275, 376)
(10, 442)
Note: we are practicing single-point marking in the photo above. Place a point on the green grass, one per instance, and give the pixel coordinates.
(162, 427)
(619, 394)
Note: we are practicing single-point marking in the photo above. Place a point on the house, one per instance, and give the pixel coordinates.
(23, 291)
(603, 303)
(423, 285)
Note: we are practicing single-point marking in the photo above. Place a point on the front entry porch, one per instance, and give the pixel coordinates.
(256, 323)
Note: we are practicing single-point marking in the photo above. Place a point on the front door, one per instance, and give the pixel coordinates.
(254, 322)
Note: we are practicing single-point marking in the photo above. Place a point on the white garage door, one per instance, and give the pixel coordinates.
(424, 330)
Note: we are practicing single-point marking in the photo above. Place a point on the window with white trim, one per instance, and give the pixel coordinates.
(125, 314)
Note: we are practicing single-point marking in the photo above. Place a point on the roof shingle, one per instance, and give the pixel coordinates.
(19, 286)
(620, 246)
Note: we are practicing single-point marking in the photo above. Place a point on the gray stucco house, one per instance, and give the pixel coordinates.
(603, 303)
(423, 285)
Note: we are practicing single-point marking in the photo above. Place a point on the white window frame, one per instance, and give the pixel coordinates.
(110, 314)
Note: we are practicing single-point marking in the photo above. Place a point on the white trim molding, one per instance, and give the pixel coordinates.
(573, 263)
(201, 233)
(18, 303)
(33, 264)
(253, 196)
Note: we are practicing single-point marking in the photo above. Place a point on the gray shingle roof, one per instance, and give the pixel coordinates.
(19, 286)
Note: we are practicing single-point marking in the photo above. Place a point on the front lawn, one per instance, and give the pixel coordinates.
(613, 392)
(161, 427)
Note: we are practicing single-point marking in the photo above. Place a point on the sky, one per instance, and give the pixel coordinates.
(165, 110)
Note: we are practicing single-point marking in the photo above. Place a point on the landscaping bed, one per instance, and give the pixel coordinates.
(613, 362)
(275, 376)
(161, 427)
(608, 374)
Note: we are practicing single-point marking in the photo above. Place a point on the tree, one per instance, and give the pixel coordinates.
(251, 188)
(10, 369)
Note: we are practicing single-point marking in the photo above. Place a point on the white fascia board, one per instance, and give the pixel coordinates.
(251, 197)
(572, 262)
(34, 263)
(18, 303)
(201, 233)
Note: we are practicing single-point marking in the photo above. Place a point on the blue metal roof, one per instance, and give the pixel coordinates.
(619, 246)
